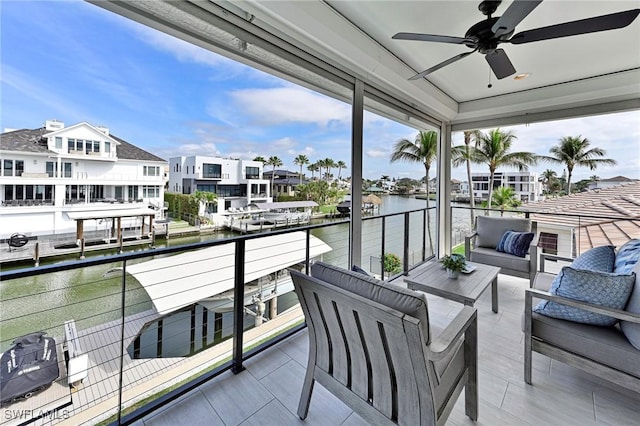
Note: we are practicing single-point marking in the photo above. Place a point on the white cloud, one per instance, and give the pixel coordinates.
(376, 153)
(281, 105)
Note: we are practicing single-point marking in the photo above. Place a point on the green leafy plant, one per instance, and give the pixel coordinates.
(392, 263)
(453, 262)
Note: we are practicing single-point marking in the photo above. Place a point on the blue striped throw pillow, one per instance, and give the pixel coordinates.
(516, 243)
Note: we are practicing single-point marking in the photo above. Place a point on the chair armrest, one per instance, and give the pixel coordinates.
(467, 244)
(440, 347)
(544, 257)
(530, 293)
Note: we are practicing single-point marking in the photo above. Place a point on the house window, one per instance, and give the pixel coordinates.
(96, 146)
(79, 145)
(58, 142)
(71, 144)
(252, 172)
(13, 167)
(107, 147)
(7, 166)
(151, 170)
(150, 191)
(211, 171)
(67, 169)
(133, 192)
(51, 169)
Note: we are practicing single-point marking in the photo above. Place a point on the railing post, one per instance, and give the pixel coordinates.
(424, 234)
(383, 247)
(405, 261)
(238, 308)
(122, 349)
(307, 253)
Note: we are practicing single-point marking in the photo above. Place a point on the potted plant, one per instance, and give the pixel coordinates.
(453, 264)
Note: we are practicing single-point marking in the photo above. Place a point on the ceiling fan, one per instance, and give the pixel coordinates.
(485, 36)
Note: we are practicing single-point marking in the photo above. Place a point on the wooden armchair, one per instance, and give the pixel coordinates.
(369, 345)
(480, 246)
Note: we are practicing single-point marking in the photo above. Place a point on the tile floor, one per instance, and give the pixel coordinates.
(267, 392)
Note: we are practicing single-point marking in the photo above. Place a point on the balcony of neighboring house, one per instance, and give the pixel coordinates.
(172, 333)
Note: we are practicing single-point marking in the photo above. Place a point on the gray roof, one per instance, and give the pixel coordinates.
(33, 141)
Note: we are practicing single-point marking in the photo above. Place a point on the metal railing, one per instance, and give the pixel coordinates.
(140, 356)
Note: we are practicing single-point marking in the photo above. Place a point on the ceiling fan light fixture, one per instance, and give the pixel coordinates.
(522, 76)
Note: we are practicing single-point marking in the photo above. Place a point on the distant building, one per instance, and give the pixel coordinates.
(572, 224)
(236, 183)
(524, 184)
(608, 183)
(285, 182)
(53, 178)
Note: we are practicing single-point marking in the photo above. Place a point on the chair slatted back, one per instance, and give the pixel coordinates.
(368, 353)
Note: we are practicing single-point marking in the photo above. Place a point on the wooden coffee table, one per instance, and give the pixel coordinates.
(467, 288)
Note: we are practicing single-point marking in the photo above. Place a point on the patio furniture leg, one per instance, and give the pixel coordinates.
(528, 354)
(494, 295)
(307, 391)
(471, 360)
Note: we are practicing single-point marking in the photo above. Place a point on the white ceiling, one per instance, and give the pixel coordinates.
(358, 34)
(572, 76)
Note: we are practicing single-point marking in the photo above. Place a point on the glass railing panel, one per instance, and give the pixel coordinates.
(81, 310)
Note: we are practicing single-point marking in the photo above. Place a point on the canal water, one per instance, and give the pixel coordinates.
(91, 296)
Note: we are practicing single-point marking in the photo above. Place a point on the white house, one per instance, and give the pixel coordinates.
(524, 184)
(237, 183)
(54, 177)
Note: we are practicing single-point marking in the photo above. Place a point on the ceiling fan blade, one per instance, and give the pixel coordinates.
(500, 63)
(441, 65)
(518, 10)
(583, 26)
(430, 37)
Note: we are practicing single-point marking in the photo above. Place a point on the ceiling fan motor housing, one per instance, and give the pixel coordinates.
(483, 38)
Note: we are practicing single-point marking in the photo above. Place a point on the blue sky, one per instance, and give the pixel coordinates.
(75, 62)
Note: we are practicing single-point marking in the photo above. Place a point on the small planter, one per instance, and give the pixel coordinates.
(453, 274)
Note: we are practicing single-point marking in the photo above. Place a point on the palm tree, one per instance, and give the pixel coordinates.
(574, 151)
(301, 160)
(493, 150)
(463, 154)
(313, 168)
(341, 165)
(274, 162)
(423, 150)
(329, 164)
(548, 176)
(505, 198)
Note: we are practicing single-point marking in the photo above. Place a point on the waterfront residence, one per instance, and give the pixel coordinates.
(54, 177)
(345, 50)
(236, 183)
(525, 185)
(285, 182)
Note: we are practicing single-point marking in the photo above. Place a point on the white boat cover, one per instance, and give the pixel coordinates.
(174, 282)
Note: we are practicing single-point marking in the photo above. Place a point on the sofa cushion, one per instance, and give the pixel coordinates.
(407, 301)
(490, 229)
(601, 258)
(632, 330)
(490, 256)
(606, 345)
(599, 288)
(627, 257)
(516, 243)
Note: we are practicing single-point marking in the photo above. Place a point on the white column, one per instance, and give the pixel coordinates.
(443, 197)
(357, 122)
